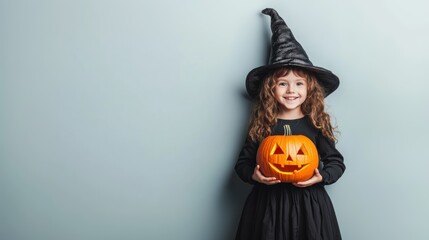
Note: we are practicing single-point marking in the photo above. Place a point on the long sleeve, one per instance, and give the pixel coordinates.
(246, 161)
(332, 159)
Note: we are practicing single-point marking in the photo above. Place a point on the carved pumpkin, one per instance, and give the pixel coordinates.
(289, 158)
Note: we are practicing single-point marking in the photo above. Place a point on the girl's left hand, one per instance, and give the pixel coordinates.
(313, 180)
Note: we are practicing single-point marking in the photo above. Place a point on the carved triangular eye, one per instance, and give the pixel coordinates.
(277, 150)
(301, 151)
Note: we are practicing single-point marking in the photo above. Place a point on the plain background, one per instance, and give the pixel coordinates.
(123, 119)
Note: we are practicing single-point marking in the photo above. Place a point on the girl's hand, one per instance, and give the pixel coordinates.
(257, 176)
(313, 180)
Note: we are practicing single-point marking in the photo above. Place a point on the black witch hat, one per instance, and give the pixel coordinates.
(287, 52)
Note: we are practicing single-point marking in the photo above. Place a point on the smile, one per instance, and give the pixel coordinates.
(287, 169)
(291, 98)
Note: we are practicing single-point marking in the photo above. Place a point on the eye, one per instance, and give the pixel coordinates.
(300, 83)
(282, 84)
(301, 151)
(277, 150)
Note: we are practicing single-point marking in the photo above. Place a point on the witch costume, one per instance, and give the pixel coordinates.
(283, 211)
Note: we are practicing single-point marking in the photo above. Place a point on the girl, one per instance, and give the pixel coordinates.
(289, 91)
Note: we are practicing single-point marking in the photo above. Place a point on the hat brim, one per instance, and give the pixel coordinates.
(326, 78)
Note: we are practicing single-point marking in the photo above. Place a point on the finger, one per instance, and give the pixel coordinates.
(258, 171)
(260, 175)
(256, 168)
(316, 172)
(273, 182)
(304, 184)
(270, 178)
(298, 184)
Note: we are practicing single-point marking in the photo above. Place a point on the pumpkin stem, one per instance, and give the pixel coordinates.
(287, 130)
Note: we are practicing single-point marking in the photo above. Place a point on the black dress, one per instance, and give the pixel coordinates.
(283, 211)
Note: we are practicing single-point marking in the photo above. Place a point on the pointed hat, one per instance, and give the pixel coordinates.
(285, 52)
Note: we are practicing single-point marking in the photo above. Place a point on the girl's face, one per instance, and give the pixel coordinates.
(290, 92)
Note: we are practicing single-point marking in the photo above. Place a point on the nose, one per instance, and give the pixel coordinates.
(290, 89)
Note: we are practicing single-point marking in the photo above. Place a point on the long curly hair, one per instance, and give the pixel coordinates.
(266, 108)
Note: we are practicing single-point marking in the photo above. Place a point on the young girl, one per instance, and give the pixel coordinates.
(289, 91)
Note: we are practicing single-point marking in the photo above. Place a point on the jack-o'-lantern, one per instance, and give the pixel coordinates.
(289, 158)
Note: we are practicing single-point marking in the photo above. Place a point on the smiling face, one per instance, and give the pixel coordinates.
(288, 158)
(290, 92)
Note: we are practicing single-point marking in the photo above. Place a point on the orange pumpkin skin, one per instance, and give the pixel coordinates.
(291, 158)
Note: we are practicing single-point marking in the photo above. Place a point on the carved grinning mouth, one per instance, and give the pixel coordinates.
(287, 169)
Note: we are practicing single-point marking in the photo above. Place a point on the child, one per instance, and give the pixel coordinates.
(289, 91)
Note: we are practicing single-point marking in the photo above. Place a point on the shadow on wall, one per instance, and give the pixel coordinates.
(234, 191)
(232, 200)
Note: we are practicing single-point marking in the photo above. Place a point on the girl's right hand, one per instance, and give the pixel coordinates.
(257, 176)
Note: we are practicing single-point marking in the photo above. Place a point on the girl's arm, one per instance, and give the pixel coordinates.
(332, 159)
(246, 161)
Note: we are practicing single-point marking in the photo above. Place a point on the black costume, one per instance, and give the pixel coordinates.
(283, 211)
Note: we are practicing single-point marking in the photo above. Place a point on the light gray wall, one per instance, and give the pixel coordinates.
(123, 119)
